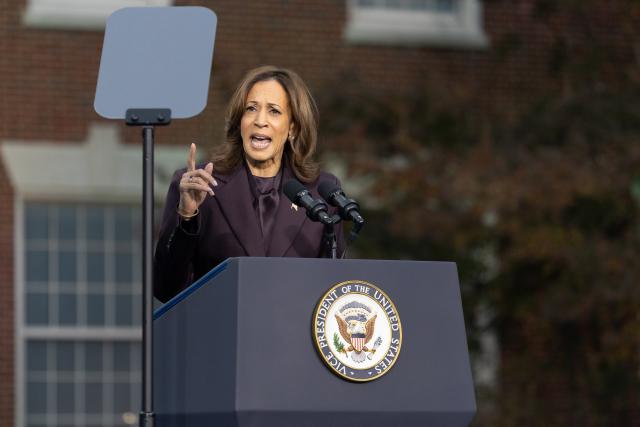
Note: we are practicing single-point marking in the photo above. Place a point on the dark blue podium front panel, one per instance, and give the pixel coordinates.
(236, 349)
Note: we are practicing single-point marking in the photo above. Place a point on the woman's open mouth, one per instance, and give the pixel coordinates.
(259, 141)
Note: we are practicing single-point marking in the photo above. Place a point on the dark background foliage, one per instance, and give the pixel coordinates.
(538, 205)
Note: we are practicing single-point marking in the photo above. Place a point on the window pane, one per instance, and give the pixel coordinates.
(124, 316)
(366, 3)
(95, 267)
(93, 357)
(123, 225)
(93, 397)
(37, 309)
(36, 356)
(37, 266)
(122, 397)
(36, 397)
(124, 267)
(136, 357)
(65, 356)
(137, 309)
(66, 398)
(417, 5)
(95, 223)
(67, 266)
(67, 304)
(136, 398)
(37, 221)
(95, 309)
(121, 358)
(67, 223)
(446, 5)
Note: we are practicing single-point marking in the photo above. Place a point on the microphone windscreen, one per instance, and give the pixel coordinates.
(292, 189)
(327, 188)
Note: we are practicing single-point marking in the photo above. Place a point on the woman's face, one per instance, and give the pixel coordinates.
(265, 127)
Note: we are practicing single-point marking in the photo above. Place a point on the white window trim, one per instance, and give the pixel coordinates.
(370, 25)
(78, 14)
(102, 169)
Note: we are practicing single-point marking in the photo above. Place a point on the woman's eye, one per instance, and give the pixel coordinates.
(275, 112)
(251, 108)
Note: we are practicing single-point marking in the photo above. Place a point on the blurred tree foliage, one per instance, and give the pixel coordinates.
(538, 206)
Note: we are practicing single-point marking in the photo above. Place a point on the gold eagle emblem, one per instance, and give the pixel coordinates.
(357, 329)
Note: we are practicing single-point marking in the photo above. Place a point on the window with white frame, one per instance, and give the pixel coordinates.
(78, 14)
(81, 314)
(78, 280)
(446, 23)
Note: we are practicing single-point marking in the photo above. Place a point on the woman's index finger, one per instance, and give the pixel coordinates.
(191, 161)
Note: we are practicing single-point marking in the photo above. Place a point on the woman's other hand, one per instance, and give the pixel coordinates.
(194, 185)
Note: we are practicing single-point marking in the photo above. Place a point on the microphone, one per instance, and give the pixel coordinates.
(316, 209)
(347, 208)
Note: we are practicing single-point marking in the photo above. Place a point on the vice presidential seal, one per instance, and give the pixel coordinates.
(357, 330)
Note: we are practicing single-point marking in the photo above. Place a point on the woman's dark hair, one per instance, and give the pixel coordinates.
(299, 150)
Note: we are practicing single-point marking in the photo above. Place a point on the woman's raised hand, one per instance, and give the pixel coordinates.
(194, 185)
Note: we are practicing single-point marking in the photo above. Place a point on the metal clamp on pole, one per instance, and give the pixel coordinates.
(147, 419)
(148, 116)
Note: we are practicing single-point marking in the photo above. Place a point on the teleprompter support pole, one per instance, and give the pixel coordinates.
(152, 70)
(147, 118)
(147, 417)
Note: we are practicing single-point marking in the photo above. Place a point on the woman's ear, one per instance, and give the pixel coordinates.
(292, 132)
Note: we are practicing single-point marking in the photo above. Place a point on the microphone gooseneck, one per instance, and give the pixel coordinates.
(348, 209)
(316, 209)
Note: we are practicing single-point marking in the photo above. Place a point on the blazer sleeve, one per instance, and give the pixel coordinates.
(176, 247)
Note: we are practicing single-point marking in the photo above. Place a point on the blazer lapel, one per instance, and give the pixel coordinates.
(234, 199)
(288, 222)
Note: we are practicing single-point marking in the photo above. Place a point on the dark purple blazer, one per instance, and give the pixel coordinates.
(226, 226)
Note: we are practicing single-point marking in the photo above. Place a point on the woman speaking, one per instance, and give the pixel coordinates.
(234, 205)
